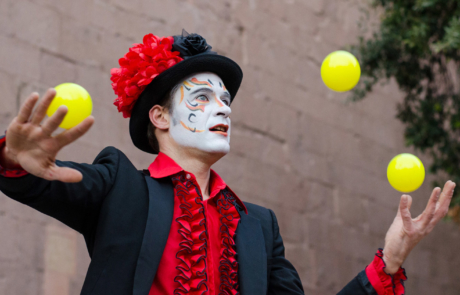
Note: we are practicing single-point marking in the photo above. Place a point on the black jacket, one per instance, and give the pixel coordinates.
(125, 218)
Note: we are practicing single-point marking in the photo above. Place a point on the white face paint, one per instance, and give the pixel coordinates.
(200, 117)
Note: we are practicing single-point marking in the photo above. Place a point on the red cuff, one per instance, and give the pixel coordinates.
(10, 172)
(383, 283)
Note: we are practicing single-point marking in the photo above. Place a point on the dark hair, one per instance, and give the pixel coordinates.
(166, 102)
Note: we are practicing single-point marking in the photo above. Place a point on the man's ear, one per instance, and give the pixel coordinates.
(159, 116)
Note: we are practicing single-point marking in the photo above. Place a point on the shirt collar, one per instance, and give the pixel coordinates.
(164, 166)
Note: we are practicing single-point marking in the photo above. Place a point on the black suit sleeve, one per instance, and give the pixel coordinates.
(283, 279)
(75, 204)
(360, 285)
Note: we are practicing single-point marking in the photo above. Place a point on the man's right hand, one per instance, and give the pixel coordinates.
(31, 145)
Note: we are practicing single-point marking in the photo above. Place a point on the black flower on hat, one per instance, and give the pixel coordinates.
(191, 44)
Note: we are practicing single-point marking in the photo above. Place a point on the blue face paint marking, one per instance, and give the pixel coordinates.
(190, 116)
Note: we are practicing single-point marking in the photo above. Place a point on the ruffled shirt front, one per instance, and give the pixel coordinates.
(200, 253)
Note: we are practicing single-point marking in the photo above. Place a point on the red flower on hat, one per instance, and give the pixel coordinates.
(139, 67)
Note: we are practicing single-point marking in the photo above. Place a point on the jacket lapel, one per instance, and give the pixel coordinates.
(159, 219)
(252, 258)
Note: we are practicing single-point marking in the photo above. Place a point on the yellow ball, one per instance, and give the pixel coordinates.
(77, 100)
(406, 173)
(340, 71)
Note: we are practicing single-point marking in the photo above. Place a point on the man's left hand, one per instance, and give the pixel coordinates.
(405, 232)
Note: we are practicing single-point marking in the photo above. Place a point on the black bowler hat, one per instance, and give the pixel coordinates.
(151, 69)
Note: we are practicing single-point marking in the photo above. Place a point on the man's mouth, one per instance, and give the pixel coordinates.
(220, 128)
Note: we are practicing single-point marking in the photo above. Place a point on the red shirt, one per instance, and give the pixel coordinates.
(200, 251)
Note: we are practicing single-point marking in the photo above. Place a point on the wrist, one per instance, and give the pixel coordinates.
(392, 263)
(7, 161)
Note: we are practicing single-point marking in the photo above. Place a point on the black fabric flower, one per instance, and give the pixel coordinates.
(191, 44)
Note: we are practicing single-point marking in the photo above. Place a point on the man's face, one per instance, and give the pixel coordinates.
(201, 114)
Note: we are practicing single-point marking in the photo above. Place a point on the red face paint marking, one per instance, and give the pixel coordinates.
(188, 84)
(218, 101)
(190, 129)
(198, 82)
(197, 107)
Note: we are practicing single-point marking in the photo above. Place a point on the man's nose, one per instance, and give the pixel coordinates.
(224, 111)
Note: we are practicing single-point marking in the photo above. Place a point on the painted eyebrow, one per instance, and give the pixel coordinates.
(210, 91)
(207, 90)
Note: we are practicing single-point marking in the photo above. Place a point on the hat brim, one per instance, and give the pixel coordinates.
(228, 70)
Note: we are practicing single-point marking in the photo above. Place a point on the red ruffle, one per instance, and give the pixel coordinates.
(10, 172)
(192, 255)
(383, 283)
(193, 248)
(228, 266)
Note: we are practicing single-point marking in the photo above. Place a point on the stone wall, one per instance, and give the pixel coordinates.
(297, 147)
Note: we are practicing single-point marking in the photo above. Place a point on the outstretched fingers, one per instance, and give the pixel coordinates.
(52, 123)
(43, 106)
(404, 206)
(429, 212)
(74, 133)
(442, 206)
(26, 109)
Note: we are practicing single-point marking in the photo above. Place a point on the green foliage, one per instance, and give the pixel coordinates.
(418, 44)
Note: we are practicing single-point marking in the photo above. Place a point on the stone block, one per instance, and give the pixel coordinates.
(420, 262)
(68, 9)
(352, 209)
(317, 6)
(19, 211)
(355, 243)
(60, 250)
(314, 135)
(327, 269)
(13, 277)
(23, 241)
(33, 24)
(311, 165)
(8, 88)
(19, 58)
(56, 283)
(284, 122)
(251, 111)
(357, 180)
(293, 227)
(302, 257)
(55, 69)
(80, 42)
(380, 218)
(98, 84)
(317, 197)
(117, 20)
(323, 232)
(166, 11)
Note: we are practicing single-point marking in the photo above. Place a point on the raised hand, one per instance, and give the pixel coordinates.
(32, 145)
(406, 232)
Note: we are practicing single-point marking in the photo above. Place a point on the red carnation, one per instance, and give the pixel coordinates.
(139, 67)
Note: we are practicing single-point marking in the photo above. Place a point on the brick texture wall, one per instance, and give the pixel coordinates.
(298, 148)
